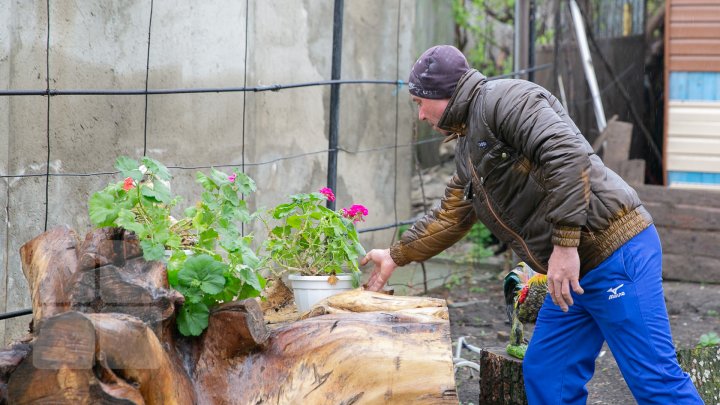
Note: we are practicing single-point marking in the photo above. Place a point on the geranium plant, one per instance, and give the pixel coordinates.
(208, 259)
(311, 239)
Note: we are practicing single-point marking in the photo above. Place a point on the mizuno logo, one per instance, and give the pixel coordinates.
(614, 292)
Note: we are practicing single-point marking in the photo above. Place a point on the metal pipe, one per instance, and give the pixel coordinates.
(587, 65)
(531, 41)
(13, 314)
(335, 98)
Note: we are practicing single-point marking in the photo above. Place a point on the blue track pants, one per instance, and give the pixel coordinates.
(623, 304)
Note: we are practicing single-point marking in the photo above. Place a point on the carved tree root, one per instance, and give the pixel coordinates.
(105, 333)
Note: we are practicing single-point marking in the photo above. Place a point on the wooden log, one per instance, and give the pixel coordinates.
(98, 358)
(49, 261)
(108, 246)
(703, 365)
(682, 267)
(112, 277)
(366, 301)
(138, 289)
(234, 329)
(682, 216)
(10, 358)
(355, 358)
(501, 378)
(678, 197)
(688, 242)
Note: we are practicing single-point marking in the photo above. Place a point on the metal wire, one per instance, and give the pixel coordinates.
(146, 92)
(138, 92)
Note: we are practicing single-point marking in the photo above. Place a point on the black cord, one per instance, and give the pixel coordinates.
(147, 75)
(397, 118)
(47, 118)
(230, 165)
(131, 92)
(242, 153)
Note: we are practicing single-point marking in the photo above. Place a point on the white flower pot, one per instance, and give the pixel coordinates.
(309, 290)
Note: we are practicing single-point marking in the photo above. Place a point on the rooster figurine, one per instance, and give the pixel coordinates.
(524, 292)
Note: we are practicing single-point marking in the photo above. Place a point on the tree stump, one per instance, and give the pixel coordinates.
(104, 331)
(501, 378)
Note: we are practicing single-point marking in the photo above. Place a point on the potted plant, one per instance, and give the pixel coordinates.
(209, 261)
(319, 247)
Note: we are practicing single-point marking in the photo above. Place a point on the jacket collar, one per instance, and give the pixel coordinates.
(454, 117)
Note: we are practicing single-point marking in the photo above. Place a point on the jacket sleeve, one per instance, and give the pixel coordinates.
(439, 229)
(531, 120)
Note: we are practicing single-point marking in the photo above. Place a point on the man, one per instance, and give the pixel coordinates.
(525, 170)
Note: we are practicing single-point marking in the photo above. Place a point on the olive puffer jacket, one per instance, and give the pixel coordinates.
(525, 171)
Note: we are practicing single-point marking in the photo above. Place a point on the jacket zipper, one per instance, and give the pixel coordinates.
(497, 218)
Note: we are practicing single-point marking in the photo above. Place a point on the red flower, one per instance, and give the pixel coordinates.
(327, 193)
(129, 184)
(232, 177)
(355, 212)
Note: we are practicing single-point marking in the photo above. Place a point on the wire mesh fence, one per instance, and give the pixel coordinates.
(144, 97)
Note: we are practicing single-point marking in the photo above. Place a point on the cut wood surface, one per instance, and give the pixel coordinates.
(114, 340)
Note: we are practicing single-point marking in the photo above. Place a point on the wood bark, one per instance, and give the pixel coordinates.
(501, 378)
(110, 337)
(49, 262)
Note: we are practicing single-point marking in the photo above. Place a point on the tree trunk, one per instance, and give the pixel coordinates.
(501, 378)
(105, 333)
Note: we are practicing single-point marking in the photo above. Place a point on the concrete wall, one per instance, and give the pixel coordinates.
(103, 45)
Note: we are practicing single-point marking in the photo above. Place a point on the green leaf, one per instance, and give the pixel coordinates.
(230, 194)
(203, 272)
(250, 277)
(248, 291)
(157, 168)
(102, 209)
(152, 250)
(359, 249)
(162, 192)
(193, 319)
(127, 220)
(157, 192)
(206, 182)
(294, 221)
(244, 183)
(282, 210)
(128, 168)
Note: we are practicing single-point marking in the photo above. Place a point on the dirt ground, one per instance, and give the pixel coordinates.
(477, 312)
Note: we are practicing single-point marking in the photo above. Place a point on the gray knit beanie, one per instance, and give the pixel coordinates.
(436, 73)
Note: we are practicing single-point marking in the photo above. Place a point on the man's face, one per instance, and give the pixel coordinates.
(431, 110)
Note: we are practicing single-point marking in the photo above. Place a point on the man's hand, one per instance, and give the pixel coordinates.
(384, 267)
(563, 274)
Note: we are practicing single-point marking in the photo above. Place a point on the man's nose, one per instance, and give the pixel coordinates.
(421, 115)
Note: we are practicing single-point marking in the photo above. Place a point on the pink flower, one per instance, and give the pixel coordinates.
(355, 212)
(231, 178)
(327, 193)
(129, 184)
